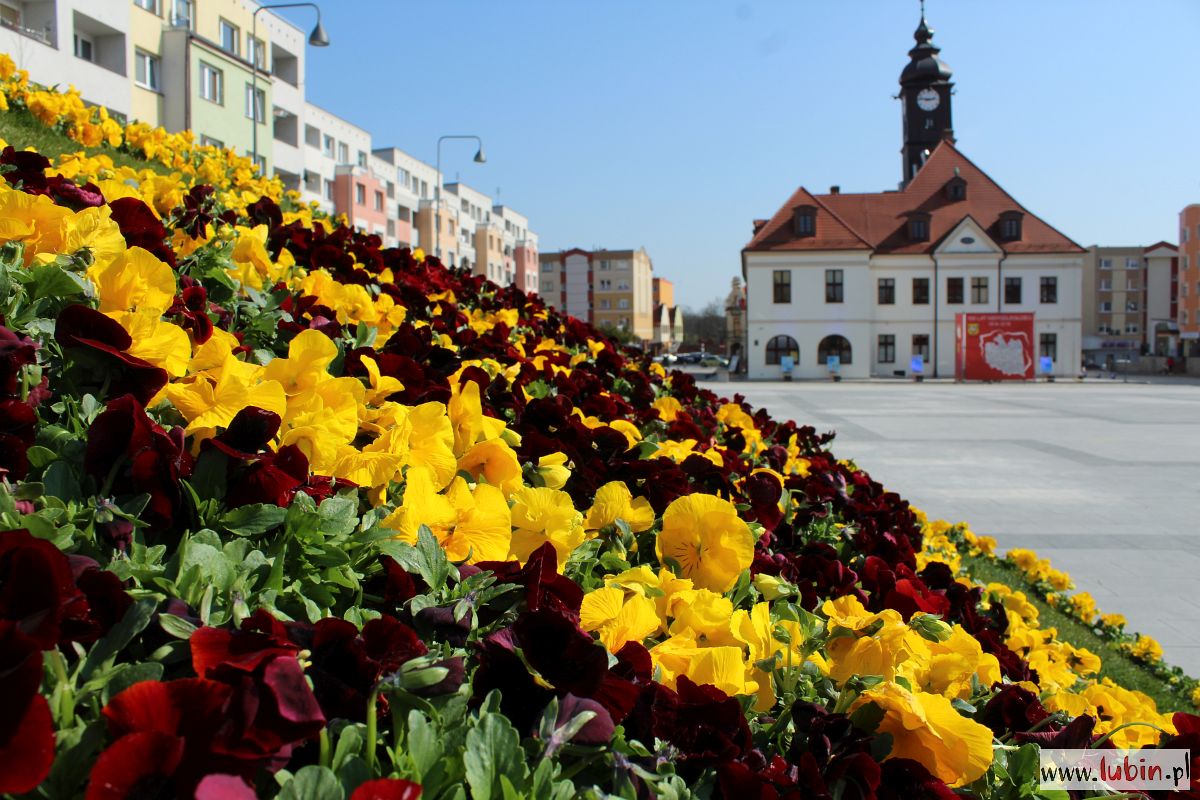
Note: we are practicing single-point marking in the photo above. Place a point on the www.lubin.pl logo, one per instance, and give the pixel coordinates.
(1119, 770)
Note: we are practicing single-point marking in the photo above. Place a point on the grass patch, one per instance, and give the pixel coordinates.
(21, 129)
(1116, 664)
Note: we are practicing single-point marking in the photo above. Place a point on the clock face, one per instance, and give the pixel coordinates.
(928, 99)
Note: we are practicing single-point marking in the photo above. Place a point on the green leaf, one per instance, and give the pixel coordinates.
(134, 622)
(424, 747)
(493, 749)
(60, 481)
(52, 280)
(253, 519)
(427, 559)
(126, 675)
(313, 783)
(40, 456)
(175, 626)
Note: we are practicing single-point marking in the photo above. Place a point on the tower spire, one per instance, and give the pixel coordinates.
(925, 91)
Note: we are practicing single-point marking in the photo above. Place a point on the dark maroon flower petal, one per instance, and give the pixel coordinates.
(138, 765)
(249, 433)
(293, 698)
(36, 586)
(387, 789)
(597, 731)
(82, 326)
(26, 756)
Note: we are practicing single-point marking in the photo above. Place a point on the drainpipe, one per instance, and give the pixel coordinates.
(187, 81)
(935, 315)
(1000, 282)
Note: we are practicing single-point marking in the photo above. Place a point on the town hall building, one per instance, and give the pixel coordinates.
(875, 279)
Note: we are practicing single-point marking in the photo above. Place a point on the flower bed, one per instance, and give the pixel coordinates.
(287, 513)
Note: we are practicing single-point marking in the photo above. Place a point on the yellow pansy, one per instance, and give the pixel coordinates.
(928, 729)
(541, 515)
(705, 536)
(614, 501)
(618, 616)
(135, 280)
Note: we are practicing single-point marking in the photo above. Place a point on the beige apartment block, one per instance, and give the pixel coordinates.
(613, 288)
(1114, 304)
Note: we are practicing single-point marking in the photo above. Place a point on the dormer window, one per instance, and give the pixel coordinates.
(1010, 225)
(956, 189)
(804, 220)
(918, 228)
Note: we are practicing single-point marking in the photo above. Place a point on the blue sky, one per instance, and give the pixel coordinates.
(672, 124)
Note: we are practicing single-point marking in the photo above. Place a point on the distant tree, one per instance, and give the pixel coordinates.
(622, 335)
(706, 325)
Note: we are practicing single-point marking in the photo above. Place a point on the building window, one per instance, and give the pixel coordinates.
(230, 37)
(605, 304)
(954, 291)
(605, 265)
(887, 291)
(920, 345)
(979, 290)
(1012, 290)
(804, 220)
(623, 303)
(1106, 307)
(834, 345)
(833, 286)
(1010, 225)
(327, 146)
(149, 5)
(362, 158)
(328, 189)
(256, 51)
(1049, 289)
(783, 285)
(1106, 263)
(85, 48)
(605, 284)
(208, 141)
(212, 83)
(918, 228)
(887, 348)
(1133, 263)
(1131, 305)
(1048, 346)
(256, 103)
(780, 347)
(548, 266)
(956, 188)
(183, 14)
(343, 153)
(146, 70)
(920, 291)
(1132, 328)
(1105, 285)
(379, 201)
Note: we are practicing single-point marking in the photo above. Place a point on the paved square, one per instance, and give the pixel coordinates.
(1101, 478)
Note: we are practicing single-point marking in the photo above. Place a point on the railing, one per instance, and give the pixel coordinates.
(42, 36)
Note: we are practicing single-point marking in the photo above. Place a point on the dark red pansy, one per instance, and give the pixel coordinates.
(36, 587)
(1013, 709)
(596, 731)
(141, 227)
(544, 586)
(1075, 735)
(145, 457)
(272, 478)
(26, 728)
(67, 193)
(107, 602)
(139, 765)
(387, 789)
(905, 779)
(89, 331)
(248, 434)
(24, 167)
(15, 352)
(218, 652)
(224, 787)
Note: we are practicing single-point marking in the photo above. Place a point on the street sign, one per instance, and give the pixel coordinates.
(917, 365)
(834, 363)
(1047, 365)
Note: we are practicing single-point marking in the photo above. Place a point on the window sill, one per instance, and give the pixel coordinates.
(146, 88)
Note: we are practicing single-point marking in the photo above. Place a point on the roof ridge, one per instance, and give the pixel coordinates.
(845, 224)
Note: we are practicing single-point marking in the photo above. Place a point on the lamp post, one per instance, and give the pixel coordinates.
(480, 158)
(318, 38)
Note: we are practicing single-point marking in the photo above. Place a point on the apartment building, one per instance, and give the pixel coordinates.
(79, 42)
(1114, 304)
(667, 332)
(612, 288)
(237, 80)
(1162, 298)
(414, 182)
(1189, 279)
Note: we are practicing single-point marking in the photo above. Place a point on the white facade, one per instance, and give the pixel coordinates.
(81, 43)
(808, 318)
(329, 142)
(286, 61)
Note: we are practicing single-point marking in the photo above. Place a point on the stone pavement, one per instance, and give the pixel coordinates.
(1101, 477)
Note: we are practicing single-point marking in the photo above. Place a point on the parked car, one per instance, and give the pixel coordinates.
(690, 358)
(713, 360)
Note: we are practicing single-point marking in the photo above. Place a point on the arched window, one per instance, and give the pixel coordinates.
(834, 346)
(781, 346)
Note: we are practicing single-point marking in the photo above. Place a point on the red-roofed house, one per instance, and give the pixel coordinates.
(876, 279)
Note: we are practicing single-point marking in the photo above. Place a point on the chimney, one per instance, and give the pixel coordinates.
(835, 190)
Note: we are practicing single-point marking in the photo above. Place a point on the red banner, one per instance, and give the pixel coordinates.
(993, 347)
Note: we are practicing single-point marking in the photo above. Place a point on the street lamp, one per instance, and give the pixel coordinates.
(318, 38)
(480, 158)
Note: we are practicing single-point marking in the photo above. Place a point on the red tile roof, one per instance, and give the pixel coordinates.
(878, 221)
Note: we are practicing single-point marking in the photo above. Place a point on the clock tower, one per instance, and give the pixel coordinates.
(925, 91)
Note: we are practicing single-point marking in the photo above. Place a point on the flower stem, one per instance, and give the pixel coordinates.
(372, 729)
